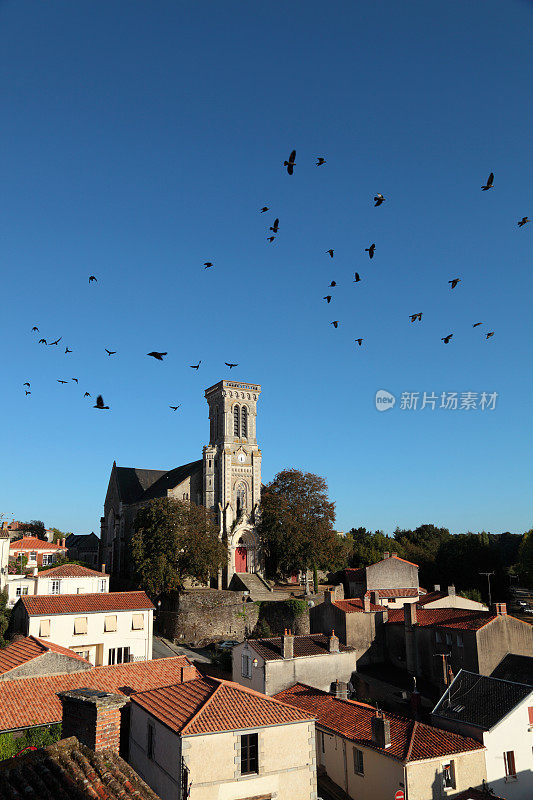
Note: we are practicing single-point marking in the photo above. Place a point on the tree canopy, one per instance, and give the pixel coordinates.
(525, 557)
(175, 540)
(296, 524)
(35, 527)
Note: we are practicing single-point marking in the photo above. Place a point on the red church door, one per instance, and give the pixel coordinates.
(241, 561)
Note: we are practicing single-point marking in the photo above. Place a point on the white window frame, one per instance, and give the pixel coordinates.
(48, 559)
(448, 775)
(102, 585)
(21, 590)
(358, 761)
(54, 586)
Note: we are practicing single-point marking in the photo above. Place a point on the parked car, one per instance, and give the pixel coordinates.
(228, 644)
(528, 610)
(522, 603)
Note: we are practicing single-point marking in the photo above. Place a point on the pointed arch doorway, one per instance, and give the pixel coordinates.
(241, 559)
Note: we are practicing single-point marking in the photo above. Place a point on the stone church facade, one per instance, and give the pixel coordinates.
(226, 480)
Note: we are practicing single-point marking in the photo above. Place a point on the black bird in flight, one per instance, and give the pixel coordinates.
(359, 342)
(93, 278)
(155, 354)
(87, 394)
(56, 341)
(330, 252)
(230, 365)
(35, 328)
(335, 323)
(454, 282)
(490, 181)
(446, 339)
(476, 324)
(357, 278)
(275, 226)
(417, 316)
(195, 366)
(521, 224)
(74, 379)
(327, 298)
(110, 352)
(26, 384)
(208, 264)
(175, 408)
(370, 250)
(333, 283)
(265, 208)
(43, 341)
(67, 350)
(60, 381)
(290, 163)
(270, 239)
(319, 161)
(379, 199)
(100, 403)
(27, 393)
(488, 335)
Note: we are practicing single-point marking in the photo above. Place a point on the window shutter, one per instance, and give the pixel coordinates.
(510, 769)
(44, 627)
(530, 712)
(80, 625)
(110, 623)
(137, 622)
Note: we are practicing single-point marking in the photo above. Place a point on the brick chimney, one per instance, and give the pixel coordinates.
(451, 591)
(287, 644)
(333, 643)
(500, 609)
(386, 554)
(409, 614)
(394, 555)
(63, 542)
(188, 673)
(381, 730)
(340, 690)
(93, 717)
(366, 603)
(103, 568)
(374, 596)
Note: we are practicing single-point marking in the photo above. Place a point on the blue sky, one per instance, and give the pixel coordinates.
(139, 140)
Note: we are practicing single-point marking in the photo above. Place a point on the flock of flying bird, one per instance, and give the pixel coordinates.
(379, 199)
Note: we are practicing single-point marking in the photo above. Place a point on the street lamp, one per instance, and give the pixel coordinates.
(488, 574)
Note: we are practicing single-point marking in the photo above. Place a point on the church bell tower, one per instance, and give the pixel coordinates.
(232, 470)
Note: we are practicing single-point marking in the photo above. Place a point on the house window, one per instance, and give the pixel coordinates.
(438, 637)
(358, 766)
(110, 623)
(150, 741)
(21, 590)
(102, 585)
(460, 642)
(249, 748)
(44, 627)
(246, 666)
(47, 559)
(244, 422)
(119, 655)
(448, 638)
(510, 766)
(80, 625)
(236, 425)
(137, 622)
(53, 587)
(33, 557)
(448, 775)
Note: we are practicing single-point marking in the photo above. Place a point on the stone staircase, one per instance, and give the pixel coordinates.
(257, 586)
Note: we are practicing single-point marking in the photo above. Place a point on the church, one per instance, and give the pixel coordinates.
(227, 480)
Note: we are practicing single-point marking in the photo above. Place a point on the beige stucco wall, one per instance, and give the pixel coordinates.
(287, 768)
(424, 778)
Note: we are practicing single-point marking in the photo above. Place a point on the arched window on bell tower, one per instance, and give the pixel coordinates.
(244, 422)
(236, 421)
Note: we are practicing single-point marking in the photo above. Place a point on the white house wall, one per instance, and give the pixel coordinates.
(514, 732)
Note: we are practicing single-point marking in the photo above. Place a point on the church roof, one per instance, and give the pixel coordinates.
(136, 484)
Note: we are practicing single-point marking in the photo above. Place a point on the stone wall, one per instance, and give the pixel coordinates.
(49, 663)
(200, 616)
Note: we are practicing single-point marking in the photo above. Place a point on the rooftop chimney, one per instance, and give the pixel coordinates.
(374, 596)
(287, 644)
(333, 644)
(381, 730)
(366, 603)
(409, 611)
(63, 542)
(188, 673)
(500, 609)
(451, 591)
(386, 554)
(103, 568)
(394, 555)
(93, 717)
(340, 690)
(436, 587)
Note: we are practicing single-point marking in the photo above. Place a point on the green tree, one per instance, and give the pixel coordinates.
(472, 594)
(58, 535)
(366, 547)
(4, 617)
(296, 524)
(525, 558)
(175, 540)
(34, 528)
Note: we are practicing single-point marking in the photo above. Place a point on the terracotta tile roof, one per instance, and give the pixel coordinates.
(397, 558)
(71, 571)
(430, 597)
(456, 618)
(355, 604)
(27, 702)
(315, 644)
(410, 740)
(33, 543)
(28, 648)
(68, 769)
(476, 794)
(39, 604)
(210, 705)
(396, 592)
